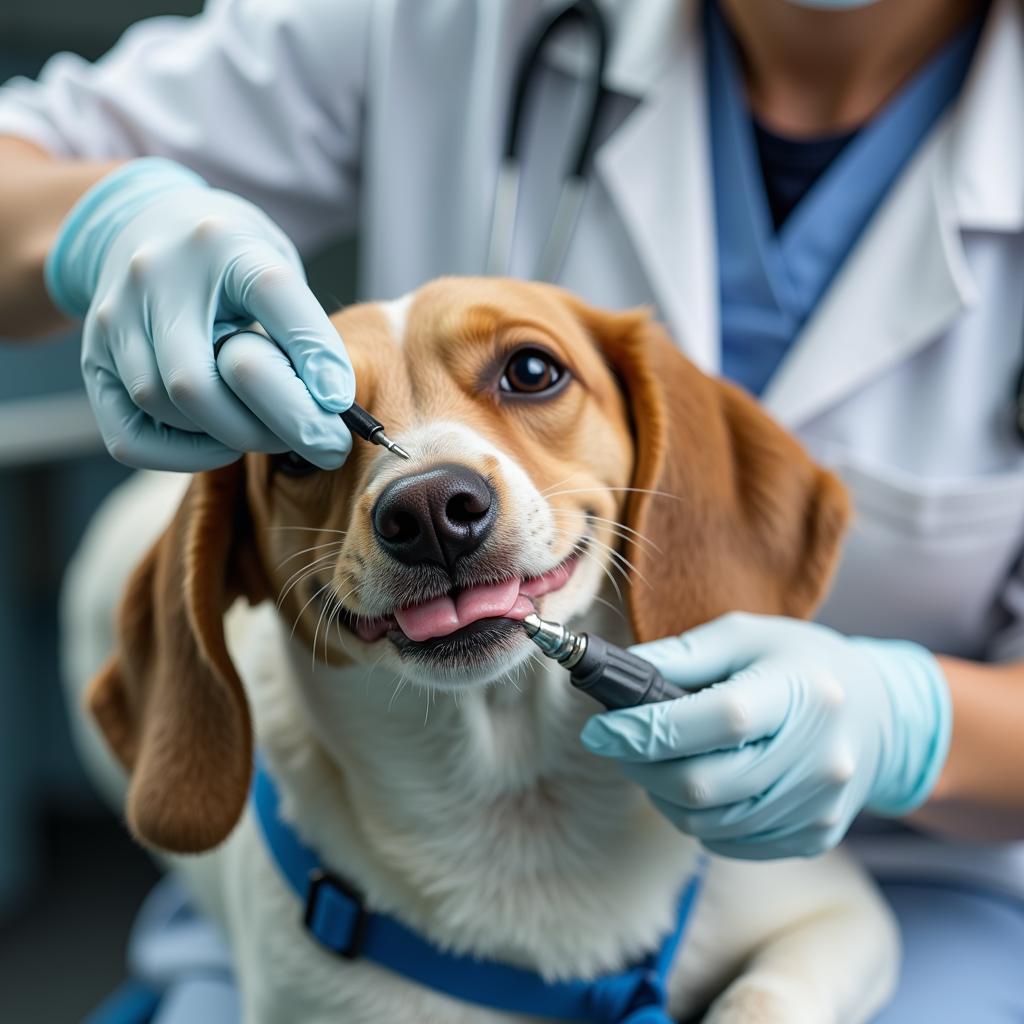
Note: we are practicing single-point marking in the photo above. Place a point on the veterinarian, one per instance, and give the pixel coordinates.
(823, 200)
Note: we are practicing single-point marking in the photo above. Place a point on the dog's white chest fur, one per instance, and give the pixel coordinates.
(487, 828)
(480, 822)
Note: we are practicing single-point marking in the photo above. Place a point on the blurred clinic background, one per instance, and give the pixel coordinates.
(70, 877)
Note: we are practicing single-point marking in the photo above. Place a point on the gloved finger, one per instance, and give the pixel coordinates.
(260, 285)
(259, 373)
(711, 780)
(734, 850)
(775, 844)
(789, 809)
(709, 653)
(135, 363)
(134, 439)
(184, 353)
(745, 774)
(749, 706)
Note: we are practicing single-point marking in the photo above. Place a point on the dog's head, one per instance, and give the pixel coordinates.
(553, 446)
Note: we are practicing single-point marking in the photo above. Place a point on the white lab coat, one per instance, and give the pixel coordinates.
(387, 116)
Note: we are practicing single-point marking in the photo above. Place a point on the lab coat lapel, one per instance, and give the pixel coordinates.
(655, 167)
(901, 286)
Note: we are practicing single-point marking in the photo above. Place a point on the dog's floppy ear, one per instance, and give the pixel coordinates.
(743, 518)
(169, 701)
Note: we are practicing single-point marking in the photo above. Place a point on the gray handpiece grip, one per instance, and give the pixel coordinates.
(619, 679)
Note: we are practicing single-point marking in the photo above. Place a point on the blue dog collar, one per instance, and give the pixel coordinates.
(335, 915)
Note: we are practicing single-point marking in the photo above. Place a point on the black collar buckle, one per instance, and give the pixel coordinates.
(335, 914)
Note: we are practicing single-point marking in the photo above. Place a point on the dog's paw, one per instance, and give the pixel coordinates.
(768, 999)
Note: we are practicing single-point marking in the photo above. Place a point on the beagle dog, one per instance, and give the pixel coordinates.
(359, 626)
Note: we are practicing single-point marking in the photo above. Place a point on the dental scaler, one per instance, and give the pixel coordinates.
(616, 678)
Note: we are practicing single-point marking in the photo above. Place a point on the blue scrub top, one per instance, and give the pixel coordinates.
(770, 282)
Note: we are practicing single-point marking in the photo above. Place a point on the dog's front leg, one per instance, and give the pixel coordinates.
(800, 977)
(787, 942)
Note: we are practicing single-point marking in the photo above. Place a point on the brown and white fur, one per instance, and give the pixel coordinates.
(457, 797)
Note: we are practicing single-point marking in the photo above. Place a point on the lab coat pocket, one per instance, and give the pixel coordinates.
(925, 559)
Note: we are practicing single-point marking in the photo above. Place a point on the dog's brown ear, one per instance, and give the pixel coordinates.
(743, 518)
(169, 701)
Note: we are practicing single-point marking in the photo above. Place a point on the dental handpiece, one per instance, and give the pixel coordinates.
(609, 674)
(360, 422)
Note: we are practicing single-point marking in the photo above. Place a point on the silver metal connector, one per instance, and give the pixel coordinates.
(555, 640)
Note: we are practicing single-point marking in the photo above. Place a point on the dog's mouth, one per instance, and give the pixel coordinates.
(465, 620)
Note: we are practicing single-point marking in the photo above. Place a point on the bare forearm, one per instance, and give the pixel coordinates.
(36, 192)
(980, 794)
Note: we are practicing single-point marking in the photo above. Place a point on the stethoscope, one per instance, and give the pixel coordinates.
(574, 184)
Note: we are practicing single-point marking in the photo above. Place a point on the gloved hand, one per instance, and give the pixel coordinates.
(161, 264)
(791, 730)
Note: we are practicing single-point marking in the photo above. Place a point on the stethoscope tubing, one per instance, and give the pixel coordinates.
(574, 184)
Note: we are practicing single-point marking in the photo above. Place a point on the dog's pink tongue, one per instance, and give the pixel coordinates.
(443, 615)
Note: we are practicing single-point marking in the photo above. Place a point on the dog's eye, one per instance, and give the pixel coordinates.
(290, 464)
(531, 371)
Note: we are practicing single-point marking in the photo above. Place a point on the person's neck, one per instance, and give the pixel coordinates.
(811, 73)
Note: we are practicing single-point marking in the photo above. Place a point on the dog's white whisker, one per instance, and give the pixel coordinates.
(508, 680)
(301, 579)
(603, 489)
(309, 569)
(608, 604)
(621, 570)
(608, 571)
(374, 667)
(629, 532)
(341, 635)
(514, 682)
(337, 604)
(397, 690)
(316, 630)
(581, 549)
(328, 612)
(622, 536)
(332, 615)
(309, 529)
(324, 605)
(295, 624)
(612, 552)
(308, 565)
(547, 490)
(631, 540)
(305, 551)
(590, 556)
(621, 561)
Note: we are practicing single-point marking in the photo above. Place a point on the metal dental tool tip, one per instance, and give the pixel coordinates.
(391, 446)
(611, 675)
(555, 640)
(360, 422)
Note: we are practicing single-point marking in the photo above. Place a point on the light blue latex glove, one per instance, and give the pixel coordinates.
(160, 265)
(804, 730)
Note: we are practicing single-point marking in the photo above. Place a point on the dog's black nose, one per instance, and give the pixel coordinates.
(435, 516)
